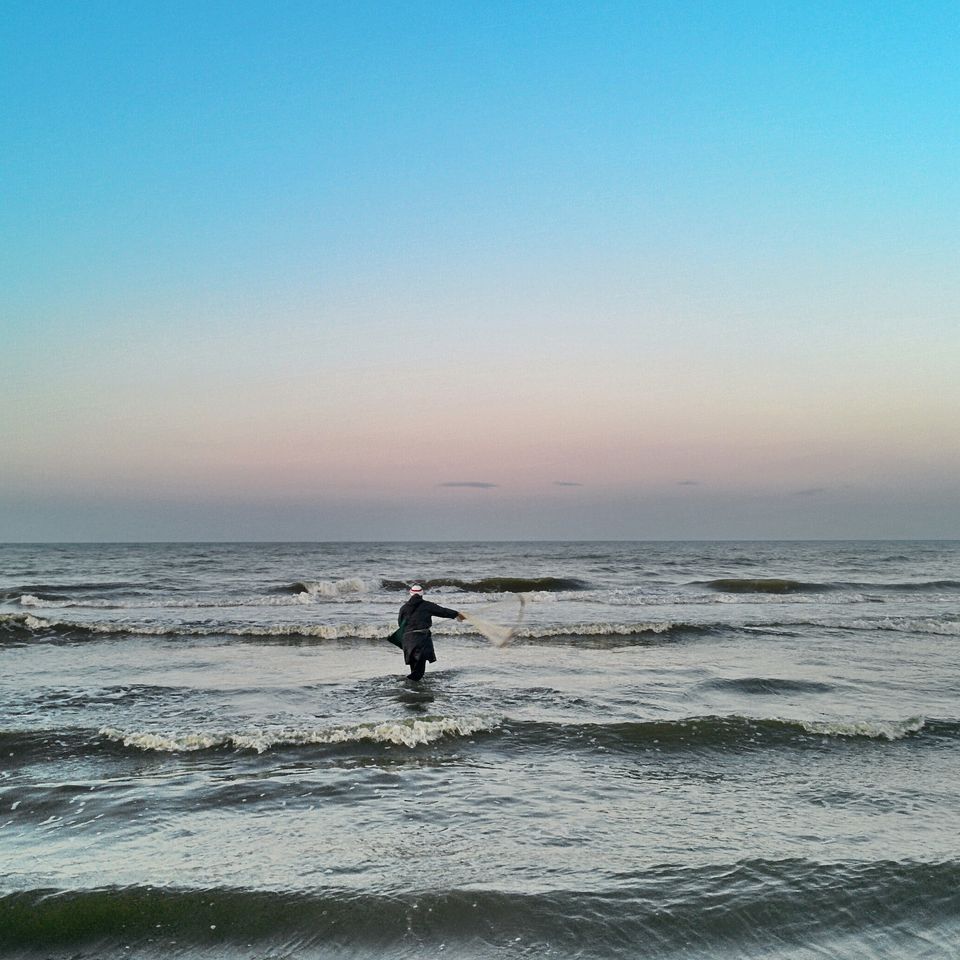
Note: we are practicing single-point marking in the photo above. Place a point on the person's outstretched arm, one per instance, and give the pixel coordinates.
(435, 610)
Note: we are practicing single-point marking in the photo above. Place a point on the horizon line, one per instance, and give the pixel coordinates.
(187, 542)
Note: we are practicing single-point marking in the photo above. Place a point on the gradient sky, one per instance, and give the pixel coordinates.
(354, 270)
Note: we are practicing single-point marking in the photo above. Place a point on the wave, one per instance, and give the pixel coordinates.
(764, 585)
(332, 588)
(732, 732)
(51, 601)
(66, 591)
(936, 626)
(498, 584)
(604, 634)
(407, 733)
(26, 627)
(99, 603)
(919, 586)
(338, 588)
(766, 685)
(56, 745)
(782, 585)
(38, 745)
(948, 625)
(751, 907)
(22, 628)
(698, 734)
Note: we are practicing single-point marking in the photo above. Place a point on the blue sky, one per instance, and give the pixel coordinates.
(291, 270)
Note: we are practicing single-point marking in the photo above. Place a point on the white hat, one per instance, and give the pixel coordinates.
(416, 590)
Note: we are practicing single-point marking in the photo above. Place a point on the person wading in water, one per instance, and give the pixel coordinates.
(413, 637)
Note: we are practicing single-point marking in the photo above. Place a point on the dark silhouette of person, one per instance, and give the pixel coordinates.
(413, 636)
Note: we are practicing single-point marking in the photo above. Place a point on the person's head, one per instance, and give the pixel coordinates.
(416, 590)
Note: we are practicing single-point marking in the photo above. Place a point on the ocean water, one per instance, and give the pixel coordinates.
(686, 750)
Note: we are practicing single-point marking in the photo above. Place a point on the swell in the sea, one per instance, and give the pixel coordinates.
(64, 591)
(337, 588)
(780, 585)
(706, 733)
(23, 628)
(751, 907)
(483, 585)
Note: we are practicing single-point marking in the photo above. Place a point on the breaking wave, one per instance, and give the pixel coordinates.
(600, 635)
(26, 627)
(332, 588)
(338, 588)
(497, 584)
(22, 628)
(407, 733)
(936, 626)
(725, 734)
(947, 626)
(98, 603)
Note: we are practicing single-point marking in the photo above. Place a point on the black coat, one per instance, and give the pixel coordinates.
(415, 620)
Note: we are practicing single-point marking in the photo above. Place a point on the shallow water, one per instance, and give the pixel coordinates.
(686, 750)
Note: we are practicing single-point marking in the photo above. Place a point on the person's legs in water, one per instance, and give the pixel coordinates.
(417, 667)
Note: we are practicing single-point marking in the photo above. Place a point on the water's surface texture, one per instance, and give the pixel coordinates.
(689, 750)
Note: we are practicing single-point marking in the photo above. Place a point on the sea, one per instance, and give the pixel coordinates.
(669, 750)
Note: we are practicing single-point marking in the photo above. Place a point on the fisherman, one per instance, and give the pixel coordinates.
(413, 637)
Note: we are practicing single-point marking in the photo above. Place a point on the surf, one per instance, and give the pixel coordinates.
(751, 907)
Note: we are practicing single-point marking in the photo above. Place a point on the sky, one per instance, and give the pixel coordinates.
(479, 270)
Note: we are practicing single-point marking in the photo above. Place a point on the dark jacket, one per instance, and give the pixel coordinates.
(415, 620)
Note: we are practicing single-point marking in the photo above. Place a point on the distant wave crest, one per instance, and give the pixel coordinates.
(780, 585)
(348, 585)
(765, 585)
(766, 685)
(66, 591)
(731, 732)
(332, 588)
(498, 584)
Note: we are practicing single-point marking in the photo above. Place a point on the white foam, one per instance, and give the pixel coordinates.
(494, 632)
(596, 629)
(408, 733)
(319, 631)
(27, 620)
(875, 729)
(29, 600)
(930, 625)
(165, 743)
(785, 599)
(343, 590)
(339, 588)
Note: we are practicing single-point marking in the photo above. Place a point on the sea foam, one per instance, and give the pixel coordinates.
(874, 729)
(407, 733)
